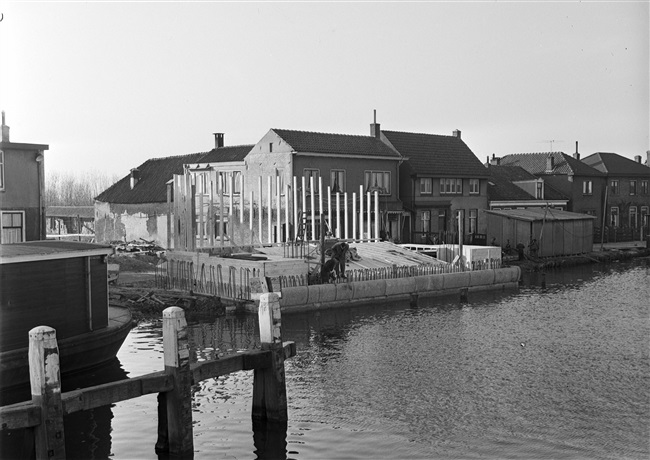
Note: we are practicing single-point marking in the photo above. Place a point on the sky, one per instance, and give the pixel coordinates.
(109, 85)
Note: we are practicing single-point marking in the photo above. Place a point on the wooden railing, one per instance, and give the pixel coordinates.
(44, 413)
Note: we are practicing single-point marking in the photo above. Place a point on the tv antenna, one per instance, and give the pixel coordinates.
(551, 141)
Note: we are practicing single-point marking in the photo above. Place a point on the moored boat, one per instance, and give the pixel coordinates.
(63, 285)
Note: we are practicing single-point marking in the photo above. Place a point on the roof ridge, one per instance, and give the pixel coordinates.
(420, 134)
(170, 157)
(320, 132)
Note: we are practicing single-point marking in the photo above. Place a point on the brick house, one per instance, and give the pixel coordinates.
(22, 183)
(628, 193)
(439, 177)
(583, 185)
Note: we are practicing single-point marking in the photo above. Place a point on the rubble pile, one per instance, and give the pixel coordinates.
(141, 246)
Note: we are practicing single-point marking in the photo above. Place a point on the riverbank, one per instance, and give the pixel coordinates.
(606, 253)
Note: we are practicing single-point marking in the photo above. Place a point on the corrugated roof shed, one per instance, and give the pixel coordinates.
(535, 214)
(343, 144)
(535, 163)
(617, 165)
(152, 185)
(438, 155)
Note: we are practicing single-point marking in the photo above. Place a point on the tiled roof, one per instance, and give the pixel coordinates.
(343, 144)
(224, 154)
(615, 164)
(535, 163)
(152, 186)
(432, 154)
(503, 188)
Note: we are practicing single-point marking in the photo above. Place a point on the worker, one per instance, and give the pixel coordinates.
(339, 251)
(326, 270)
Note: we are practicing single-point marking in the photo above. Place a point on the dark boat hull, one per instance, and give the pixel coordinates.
(75, 353)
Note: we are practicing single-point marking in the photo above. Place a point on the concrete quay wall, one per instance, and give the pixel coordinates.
(303, 298)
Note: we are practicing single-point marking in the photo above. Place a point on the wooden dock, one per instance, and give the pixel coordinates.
(44, 413)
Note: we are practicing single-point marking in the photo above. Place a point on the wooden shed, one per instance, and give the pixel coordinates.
(557, 232)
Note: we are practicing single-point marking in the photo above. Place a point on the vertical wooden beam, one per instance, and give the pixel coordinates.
(329, 209)
(360, 212)
(294, 205)
(169, 214)
(211, 219)
(354, 215)
(304, 206)
(201, 188)
(251, 214)
(177, 365)
(269, 387)
(376, 215)
(312, 203)
(221, 235)
(345, 215)
(241, 198)
(269, 211)
(278, 214)
(45, 380)
(231, 182)
(369, 212)
(320, 195)
(338, 215)
(286, 212)
(261, 209)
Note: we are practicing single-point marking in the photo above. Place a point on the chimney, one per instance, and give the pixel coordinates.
(495, 161)
(457, 133)
(5, 129)
(218, 140)
(375, 129)
(576, 155)
(550, 163)
(135, 177)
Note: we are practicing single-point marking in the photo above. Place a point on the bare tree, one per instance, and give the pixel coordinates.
(76, 189)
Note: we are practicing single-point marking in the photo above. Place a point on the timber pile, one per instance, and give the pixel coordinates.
(145, 303)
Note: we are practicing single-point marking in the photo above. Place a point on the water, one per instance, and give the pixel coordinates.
(557, 373)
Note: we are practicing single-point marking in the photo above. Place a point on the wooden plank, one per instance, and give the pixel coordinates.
(109, 393)
(21, 415)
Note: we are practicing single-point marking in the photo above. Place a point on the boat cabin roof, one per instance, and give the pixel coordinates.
(49, 250)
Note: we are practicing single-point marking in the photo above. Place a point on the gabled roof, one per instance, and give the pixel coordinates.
(535, 163)
(615, 164)
(152, 185)
(227, 154)
(333, 144)
(505, 190)
(433, 154)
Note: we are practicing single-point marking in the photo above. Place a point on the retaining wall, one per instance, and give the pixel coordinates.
(304, 298)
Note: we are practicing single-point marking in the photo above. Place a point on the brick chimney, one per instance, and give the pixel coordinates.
(495, 160)
(637, 158)
(375, 128)
(576, 155)
(550, 163)
(218, 140)
(456, 133)
(135, 177)
(5, 129)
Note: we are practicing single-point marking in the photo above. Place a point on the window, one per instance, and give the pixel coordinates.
(426, 186)
(644, 216)
(644, 187)
(448, 186)
(614, 187)
(337, 180)
(236, 181)
(308, 173)
(632, 187)
(426, 215)
(539, 193)
(587, 187)
(271, 147)
(377, 180)
(473, 218)
(614, 216)
(279, 178)
(474, 186)
(633, 217)
(13, 227)
(2, 170)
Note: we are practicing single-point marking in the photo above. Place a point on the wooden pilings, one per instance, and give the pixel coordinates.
(44, 413)
(45, 379)
(269, 387)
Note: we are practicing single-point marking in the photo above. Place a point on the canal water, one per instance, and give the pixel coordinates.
(560, 372)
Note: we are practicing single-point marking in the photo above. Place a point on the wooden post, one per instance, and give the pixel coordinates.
(269, 388)
(312, 204)
(361, 212)
(179, 400)
(354, 215)
(45, 378)
(345, 215)
(376, 215)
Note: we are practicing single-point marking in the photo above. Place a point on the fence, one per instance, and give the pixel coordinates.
(206, 279)
(44, 413)
(619, 234)
(395, 271)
